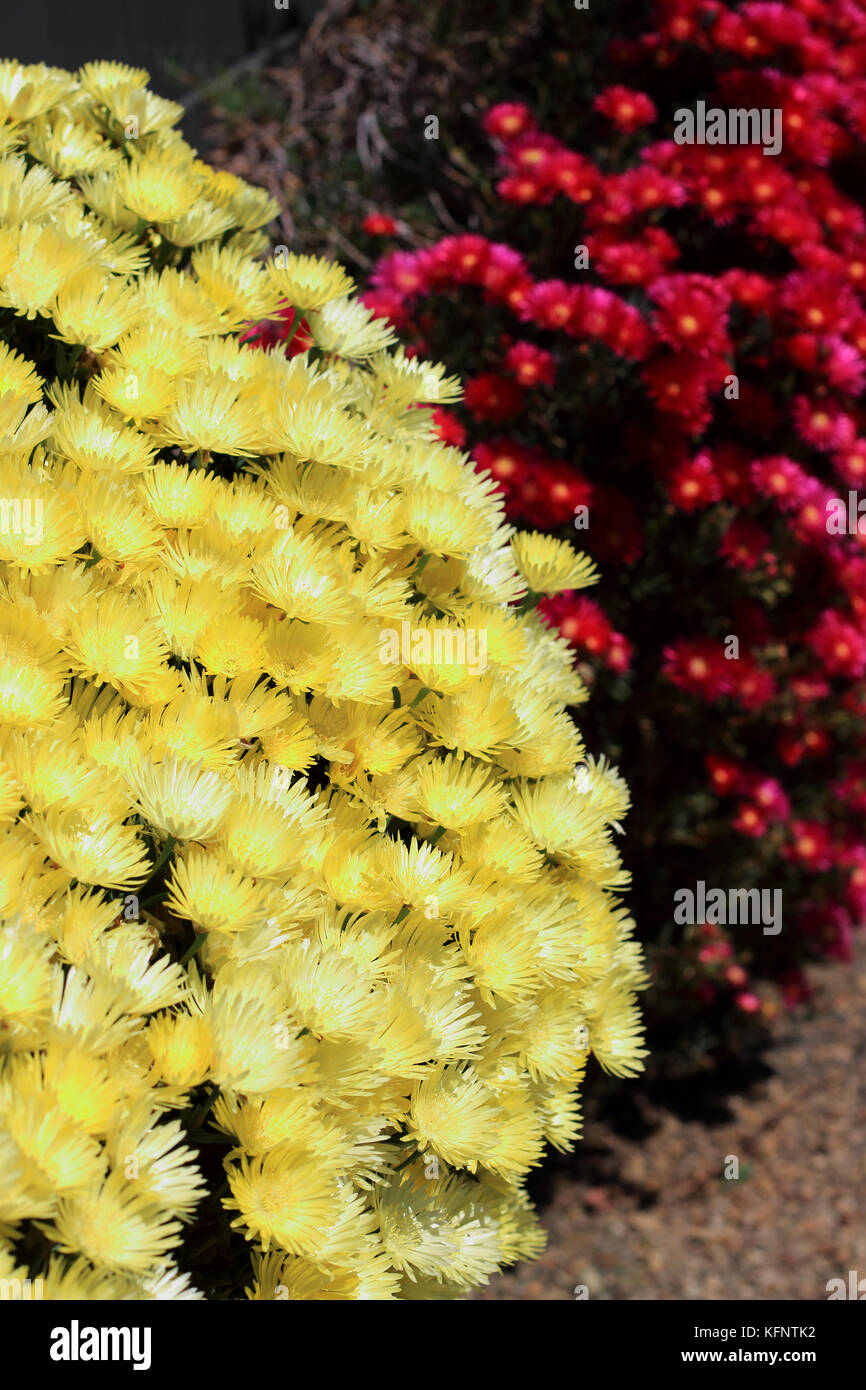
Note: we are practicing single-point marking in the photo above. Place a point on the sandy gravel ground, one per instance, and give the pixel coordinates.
(655, 1218)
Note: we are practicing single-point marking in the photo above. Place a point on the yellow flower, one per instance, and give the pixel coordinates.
(57, 1156)
(19, 376)
(45, 257)
(220, 568)
(457, 793)
(112, 639)
(304, 575)
(250, 207)
(25, 979)
(29, 89)
(157, 187)
(88, 433)
(95, 309)
(412, 380)
(200, 223)
(115, 1227)
(438, 1227)
(92, 847)
(232, 644)
(158, 1165)
(238, 287)
(549, 565)
(283, 1198)
(116, 524)
(180, 798)
(131, 396)
(209, 414)
(67, 148)
(307, 282)
(346, 327)
(181, 1047)
(102, 77)
(215, 896)
(84, 1087)
(28, 195)
(132, 107)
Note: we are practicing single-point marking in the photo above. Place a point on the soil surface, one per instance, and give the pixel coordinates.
(656, 1218)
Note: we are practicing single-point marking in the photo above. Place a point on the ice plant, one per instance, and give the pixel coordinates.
(664, 345)
(309, 891)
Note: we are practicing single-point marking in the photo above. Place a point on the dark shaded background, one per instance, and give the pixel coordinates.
(156, 34)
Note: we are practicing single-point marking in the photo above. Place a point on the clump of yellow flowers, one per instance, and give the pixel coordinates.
(308, 918)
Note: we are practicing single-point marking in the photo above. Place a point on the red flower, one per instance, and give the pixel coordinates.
(780, 478)
(630, 262)
(822, 424)
(726, 776)
(830, 358)
(748, 1003)
(745, 545)
(402, 272)
(523, 188)
(462, 259)
(629, 110)
(838, 645)
(527, 153)
(772, 799)
(791, 748)
(850, 463)
(681, 383)
(594, 314)
(749, 820)
(816, 741)
(269, 333)
(732, 467)
(809, 523)
(750, 684)
(583, 623)
(508, 120)
(693, 484)
(379, 224)
(504, 273)
(505, 460)
(697, 666)
(647, 188)
(619, 653)
(808, 688)
(572, 174)
(817, 301)
(627, 333)
(530, 364)
(492, 397)
(551, 303)
(767, 185)
(775, 24)
(746, 287)
(579, 620)
(736, 975)
(449, 428)
(691, 312)
(386, 305)
(564, 491)
(786, 224)
(810, 846)
(717, 950)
